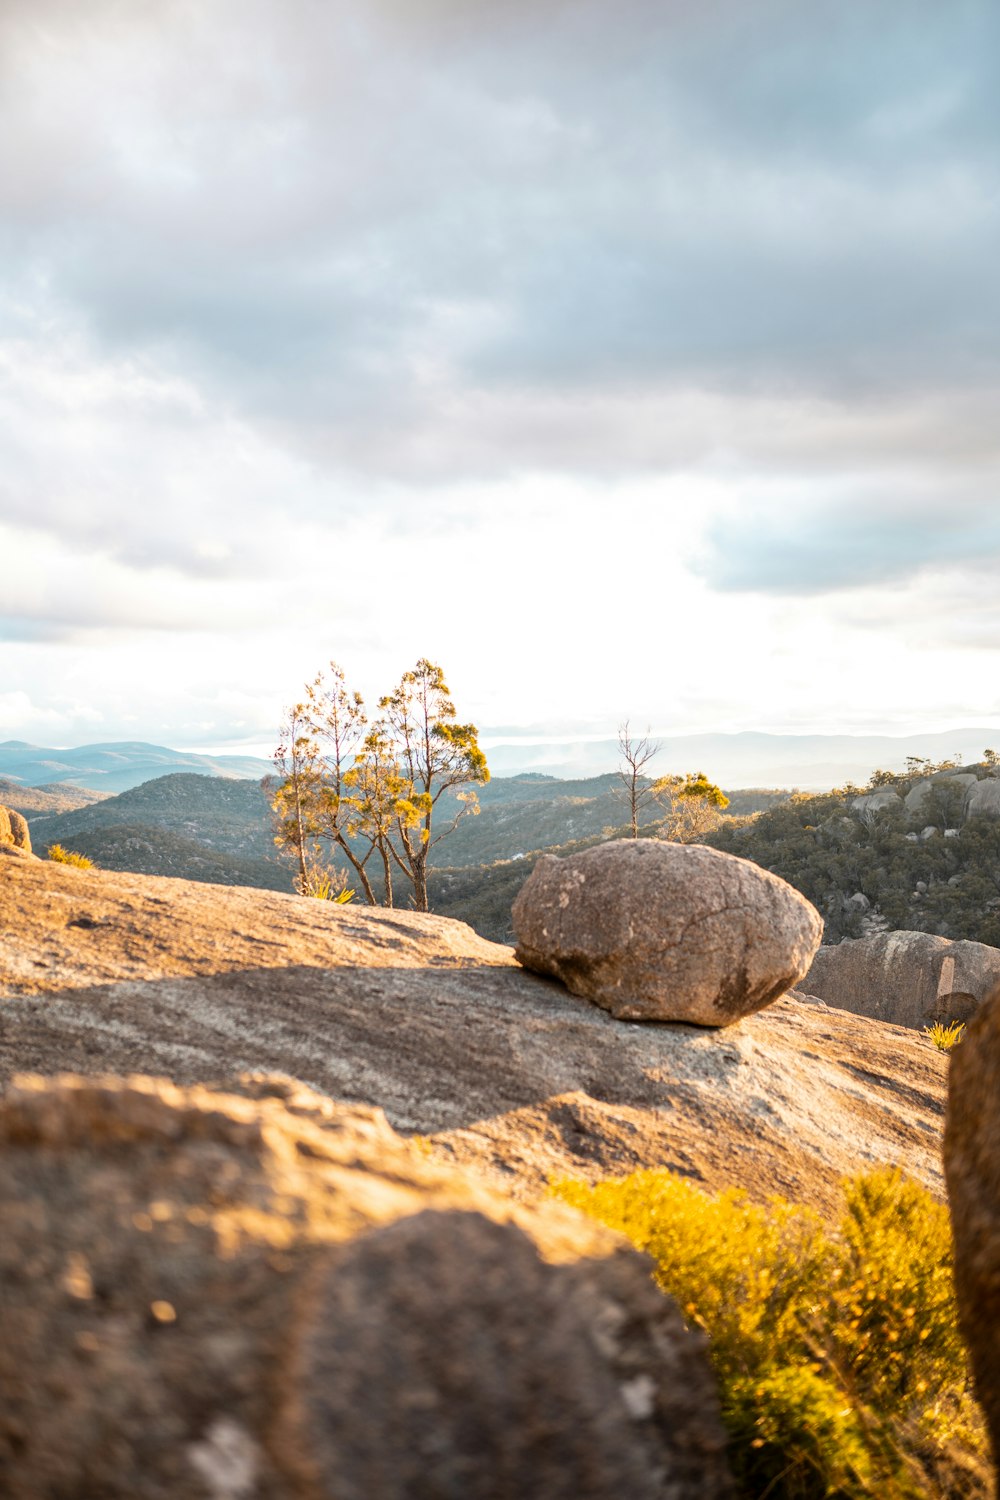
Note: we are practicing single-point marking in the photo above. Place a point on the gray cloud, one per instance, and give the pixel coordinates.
(854, 542)
(349, 221)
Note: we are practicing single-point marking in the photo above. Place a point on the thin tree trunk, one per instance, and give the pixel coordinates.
(387, 867)
(359, 870)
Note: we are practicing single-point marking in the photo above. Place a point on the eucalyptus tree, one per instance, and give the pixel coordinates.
(434, 754)
(359, 789)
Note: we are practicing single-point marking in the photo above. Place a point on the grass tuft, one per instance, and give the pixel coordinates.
(945, 1037)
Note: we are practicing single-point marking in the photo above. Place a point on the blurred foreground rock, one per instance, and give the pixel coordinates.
(268, 1295)
(972, 1167)
(657, 931)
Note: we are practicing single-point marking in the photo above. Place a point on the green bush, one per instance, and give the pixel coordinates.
(67, 857)
(840, 1366)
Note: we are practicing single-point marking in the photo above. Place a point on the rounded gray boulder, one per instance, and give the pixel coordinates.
(657, 931)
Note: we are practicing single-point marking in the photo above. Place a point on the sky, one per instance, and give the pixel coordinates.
(636, 361)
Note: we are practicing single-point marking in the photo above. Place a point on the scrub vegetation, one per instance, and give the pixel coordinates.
(840, 1365)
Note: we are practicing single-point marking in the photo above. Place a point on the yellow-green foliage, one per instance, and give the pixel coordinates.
(67, 857)
(325, 885)
(945, 1037)
(840, 1366)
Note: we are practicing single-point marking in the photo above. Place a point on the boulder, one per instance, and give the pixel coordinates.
(919, 800)
(657, 931)
(916, 798)
(906, 978)
(226, 1294)
(873, 802)
(956, 778)
(14, 830)
(983, 799)
(972, 1170)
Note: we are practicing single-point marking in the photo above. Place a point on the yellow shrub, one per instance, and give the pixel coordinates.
(67, 857)
(840, 1366)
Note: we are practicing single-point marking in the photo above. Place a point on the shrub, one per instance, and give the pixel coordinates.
(840, 1366)
(67, 857)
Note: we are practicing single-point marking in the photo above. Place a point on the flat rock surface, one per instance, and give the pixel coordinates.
(491, 1066)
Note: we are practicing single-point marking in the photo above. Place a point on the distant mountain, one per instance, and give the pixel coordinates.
(810, 762)
(117, 766)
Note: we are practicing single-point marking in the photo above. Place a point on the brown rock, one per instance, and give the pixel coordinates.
(269, 1295)
(14, 830)
(907, 978)
(972, 1169)
(657, 931)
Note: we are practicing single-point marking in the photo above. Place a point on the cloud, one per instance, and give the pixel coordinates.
(367, 229)
(320, 324)
(804, 547)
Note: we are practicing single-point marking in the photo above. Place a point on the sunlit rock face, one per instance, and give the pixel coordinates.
(906, 978)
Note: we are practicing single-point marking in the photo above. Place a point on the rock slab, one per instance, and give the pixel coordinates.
(906, 978)
(972, 1171)
(266, 1296)
(658, 931)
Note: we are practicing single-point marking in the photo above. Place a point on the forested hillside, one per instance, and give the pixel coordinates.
(918, 851)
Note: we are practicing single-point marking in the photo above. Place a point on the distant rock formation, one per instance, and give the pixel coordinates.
(918, 799)
(906, 978)
(658, 931)
(983, 799)
(972, 1166)
(212, 1294)
(14, 830)
(873, 802)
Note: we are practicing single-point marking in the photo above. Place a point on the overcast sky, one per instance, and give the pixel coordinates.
(637, 360)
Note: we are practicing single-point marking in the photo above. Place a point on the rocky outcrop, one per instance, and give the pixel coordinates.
(657, 931)
(949, 785)
(14, 830)
(208, 1294)
(907, 978)
(496, 1068)
(972, 1166)
(983, 799)
(884, 800)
